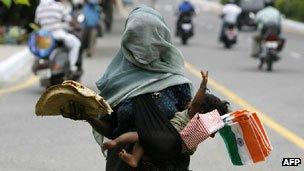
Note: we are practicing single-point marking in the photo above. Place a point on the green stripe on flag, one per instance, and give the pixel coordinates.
(231, 145)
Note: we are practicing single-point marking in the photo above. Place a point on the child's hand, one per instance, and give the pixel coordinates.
(213, 135)
(205, 80)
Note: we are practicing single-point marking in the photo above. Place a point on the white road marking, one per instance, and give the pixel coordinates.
(206, 25)
(209, 26)
(168, 8)
(295, 55)
(249, 40)
(14, 63)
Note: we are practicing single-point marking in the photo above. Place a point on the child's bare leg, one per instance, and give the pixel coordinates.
(132, 159)
(129, 137)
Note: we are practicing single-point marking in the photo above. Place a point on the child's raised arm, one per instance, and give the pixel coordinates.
(199, 96)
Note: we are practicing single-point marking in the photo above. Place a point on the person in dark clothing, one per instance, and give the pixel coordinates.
(108, 8)
(178, 122)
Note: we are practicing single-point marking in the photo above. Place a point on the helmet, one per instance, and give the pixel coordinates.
(41, 43)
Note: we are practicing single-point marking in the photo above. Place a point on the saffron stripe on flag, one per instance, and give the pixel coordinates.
(251, 139)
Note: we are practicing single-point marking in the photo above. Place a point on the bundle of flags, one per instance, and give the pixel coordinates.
(245, 138)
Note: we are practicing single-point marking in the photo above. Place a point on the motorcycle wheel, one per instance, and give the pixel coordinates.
(269, 65)
(56, 80)
(184, 40)
(227, 45)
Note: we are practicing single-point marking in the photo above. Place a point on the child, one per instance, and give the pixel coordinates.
(201, 103)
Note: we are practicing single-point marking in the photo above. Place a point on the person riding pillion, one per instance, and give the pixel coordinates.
(230, 13)
(269, 17)
(53, 16)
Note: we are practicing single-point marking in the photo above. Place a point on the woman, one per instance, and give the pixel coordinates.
(147, 68)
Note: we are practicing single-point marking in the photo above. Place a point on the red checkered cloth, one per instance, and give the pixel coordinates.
(200, 127)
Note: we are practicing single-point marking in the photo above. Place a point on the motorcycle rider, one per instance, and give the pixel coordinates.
(267, 18)
(52, 16)
(185, 9)
(229, 15)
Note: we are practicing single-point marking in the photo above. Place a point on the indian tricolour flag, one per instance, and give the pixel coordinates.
(245, 138)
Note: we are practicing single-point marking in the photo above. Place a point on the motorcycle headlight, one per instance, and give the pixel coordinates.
(251, 15)
(80, 18)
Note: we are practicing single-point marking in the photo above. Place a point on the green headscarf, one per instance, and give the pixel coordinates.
(146, 62)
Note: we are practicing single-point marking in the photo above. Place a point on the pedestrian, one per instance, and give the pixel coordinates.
(108, 8)
(146, 74)
(202, 103)
(92, 13)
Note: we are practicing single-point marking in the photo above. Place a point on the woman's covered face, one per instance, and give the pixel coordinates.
(146, 35)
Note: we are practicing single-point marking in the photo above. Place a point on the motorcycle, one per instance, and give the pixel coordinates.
(51, 62)
(230, 35)
(185, 29)
(270, 47)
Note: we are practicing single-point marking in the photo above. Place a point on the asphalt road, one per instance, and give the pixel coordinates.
(31, 143)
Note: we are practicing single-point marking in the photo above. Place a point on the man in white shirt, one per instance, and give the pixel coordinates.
(52, 15)
(230, 14)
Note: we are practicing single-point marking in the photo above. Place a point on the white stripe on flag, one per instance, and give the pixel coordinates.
(242, 147)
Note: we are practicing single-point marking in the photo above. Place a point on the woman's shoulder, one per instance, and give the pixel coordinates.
(182, 89)
(179, 87)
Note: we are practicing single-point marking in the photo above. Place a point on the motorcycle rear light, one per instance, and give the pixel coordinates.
(272, 38)
(56, 67)
(42, 64)
(231, 27)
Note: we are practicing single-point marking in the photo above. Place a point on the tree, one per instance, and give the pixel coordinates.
(8, 3)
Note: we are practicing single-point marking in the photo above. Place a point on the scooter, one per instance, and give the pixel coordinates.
(185, 30)
(51, 62)
(230, 35)
(54, 68)
(270, 47)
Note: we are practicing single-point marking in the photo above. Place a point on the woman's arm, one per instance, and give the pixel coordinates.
(199, 96)
(102, 127)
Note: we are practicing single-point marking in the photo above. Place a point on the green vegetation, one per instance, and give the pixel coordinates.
(226, 1)
(293, 9)
(8, 3)
(17, 12)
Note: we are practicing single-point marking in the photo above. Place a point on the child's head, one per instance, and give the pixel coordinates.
(211, 102)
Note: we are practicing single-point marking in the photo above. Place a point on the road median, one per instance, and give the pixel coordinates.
(15, 66)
